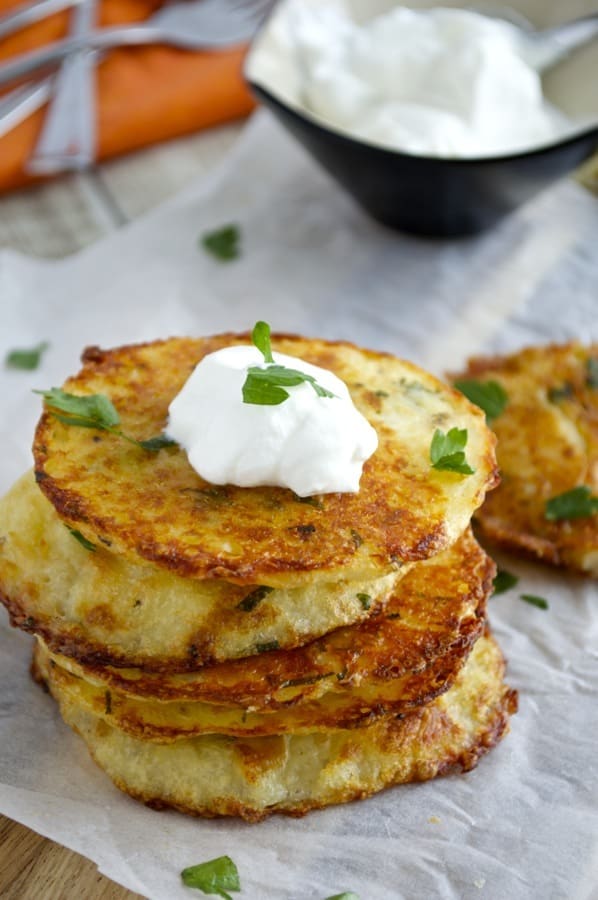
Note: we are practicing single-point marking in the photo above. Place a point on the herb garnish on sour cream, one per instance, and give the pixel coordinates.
(252, 416)
(266, 386)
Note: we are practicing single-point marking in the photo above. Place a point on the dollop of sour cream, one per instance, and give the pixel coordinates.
(310, 444)
(434, 82)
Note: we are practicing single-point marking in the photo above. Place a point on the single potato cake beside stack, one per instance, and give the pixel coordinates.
(242, 651)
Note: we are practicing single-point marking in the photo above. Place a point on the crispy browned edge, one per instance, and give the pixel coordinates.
(490, 529)
(438, 674)
(71, 641)
(70, 507)
(464, 761)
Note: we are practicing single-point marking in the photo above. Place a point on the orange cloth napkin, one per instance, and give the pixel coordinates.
(144, 94)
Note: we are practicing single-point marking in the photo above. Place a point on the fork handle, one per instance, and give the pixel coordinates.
(103, 39)
(28, 13)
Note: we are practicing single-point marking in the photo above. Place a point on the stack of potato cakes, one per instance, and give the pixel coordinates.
(242, 651)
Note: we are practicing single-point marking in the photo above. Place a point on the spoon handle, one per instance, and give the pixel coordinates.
(556, 43)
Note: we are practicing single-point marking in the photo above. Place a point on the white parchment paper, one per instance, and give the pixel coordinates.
(525, 823)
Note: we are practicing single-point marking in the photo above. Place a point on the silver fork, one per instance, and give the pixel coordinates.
(68, 137)
(190, 25)
(27, 13)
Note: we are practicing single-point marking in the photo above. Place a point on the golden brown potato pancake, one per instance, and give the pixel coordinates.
(101, 609)
(154, 507)
(547, 445)
(418, 642)
(215, 775)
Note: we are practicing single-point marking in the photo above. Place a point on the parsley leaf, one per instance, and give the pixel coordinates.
(266, 386)
(156, 443)
(365, 600)
(267, 647)
(561, 392)
(26, 359)
(251, 600)
(261, 339)
(578, 503)
(447, 451)
(95, 411)
(92, 411)
(346, 895)
(223, 243)
(488, 395)
(216, 876)
(82, 540)
(534, 600)
(592, 372)
(504, 581)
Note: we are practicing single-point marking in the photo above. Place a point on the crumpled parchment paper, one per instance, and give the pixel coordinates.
(524, 824)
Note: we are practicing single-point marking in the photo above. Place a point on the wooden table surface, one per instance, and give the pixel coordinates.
(54, 220)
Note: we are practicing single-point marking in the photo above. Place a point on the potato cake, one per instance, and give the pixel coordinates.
(396, 660)
(152, 506)
(102, 609)
(547, 503)
(217, 775)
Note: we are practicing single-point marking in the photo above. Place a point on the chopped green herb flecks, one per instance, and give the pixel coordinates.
(561, 392)
(27, 360)
(533, 600)
(216, 876)
(223, 243)
(578, 503)
(308, 679)
(346, 895)
(265, 648)
(310, 501)
(382, 394)
(592, 372)
(504, 581)
(488, 395)
(365, 600)
(266, 386)
(357, 538)
(447, 451)
(251, 600)
(94, 411)
(157, 443)
(82, 540)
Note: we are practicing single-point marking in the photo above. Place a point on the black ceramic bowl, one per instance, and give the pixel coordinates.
(430, 195)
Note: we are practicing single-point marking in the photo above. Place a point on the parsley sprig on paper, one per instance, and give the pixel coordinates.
(216, 876)
(223, 243)
(27, 360)
(266, 386)
(447, 451)
(94, 411)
